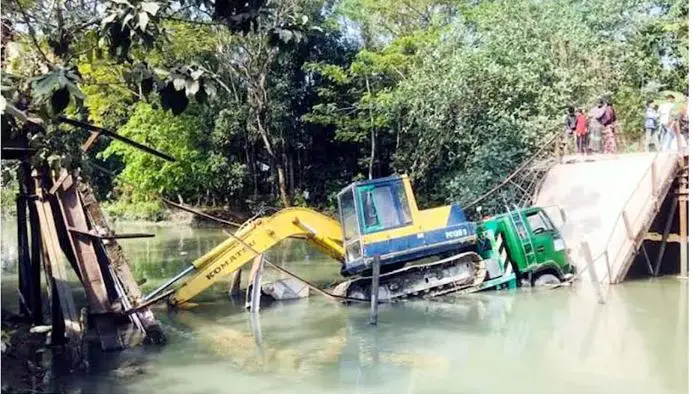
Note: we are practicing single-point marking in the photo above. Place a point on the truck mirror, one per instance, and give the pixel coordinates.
(563, 216)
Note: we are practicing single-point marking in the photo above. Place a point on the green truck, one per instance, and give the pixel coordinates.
(522, 247)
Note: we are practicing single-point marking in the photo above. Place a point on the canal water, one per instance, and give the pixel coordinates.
(524, 341)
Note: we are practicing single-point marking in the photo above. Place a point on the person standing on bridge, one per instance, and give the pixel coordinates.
(570, 122)
(609, 123)
(581, 132)
(595, 127)
(667, 134)
(651, 140)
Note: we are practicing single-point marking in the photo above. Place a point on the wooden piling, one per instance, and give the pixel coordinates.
(375, 286)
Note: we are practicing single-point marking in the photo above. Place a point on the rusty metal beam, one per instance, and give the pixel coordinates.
(110, 236)
(667, 230)
(65, 316)
(116, 136)
(656, 237)
(650, 269)
(120, 269)
(196, 212)
(84, 249)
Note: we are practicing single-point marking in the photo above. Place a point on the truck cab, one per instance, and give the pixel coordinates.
(380, 217)
(531, 242)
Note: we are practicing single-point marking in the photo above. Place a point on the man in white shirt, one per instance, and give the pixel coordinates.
(667, 134)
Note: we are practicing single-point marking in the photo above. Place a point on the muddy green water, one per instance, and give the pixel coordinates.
(529, 341)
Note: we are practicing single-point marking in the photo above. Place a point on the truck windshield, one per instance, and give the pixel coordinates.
(383, 206)
(538, 223)
(347, 209)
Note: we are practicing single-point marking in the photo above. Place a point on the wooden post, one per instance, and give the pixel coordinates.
(683, 224)
(375, 286)
(587, 254)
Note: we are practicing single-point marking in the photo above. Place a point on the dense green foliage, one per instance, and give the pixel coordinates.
(317, 94)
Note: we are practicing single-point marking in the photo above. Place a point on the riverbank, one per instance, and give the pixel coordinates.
(23, 366)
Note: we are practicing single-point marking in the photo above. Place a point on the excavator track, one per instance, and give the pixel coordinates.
(462, 273)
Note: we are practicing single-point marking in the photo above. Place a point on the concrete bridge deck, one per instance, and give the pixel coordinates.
(610, 202)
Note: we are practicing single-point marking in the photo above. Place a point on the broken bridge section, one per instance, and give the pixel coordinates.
(611, 202)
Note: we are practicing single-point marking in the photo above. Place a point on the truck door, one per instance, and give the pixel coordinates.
(546, 240)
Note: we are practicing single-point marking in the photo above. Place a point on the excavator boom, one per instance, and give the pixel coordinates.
(257, 237)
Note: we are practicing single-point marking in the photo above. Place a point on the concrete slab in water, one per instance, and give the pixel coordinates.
(595, 191)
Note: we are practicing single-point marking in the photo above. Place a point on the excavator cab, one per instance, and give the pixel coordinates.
(372, 207)
(380, 217)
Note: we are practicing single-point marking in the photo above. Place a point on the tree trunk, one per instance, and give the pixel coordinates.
(278, 162)
(370, 113)
(292, 178)
(281, 180)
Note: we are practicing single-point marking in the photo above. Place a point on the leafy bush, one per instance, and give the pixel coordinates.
(143, 210)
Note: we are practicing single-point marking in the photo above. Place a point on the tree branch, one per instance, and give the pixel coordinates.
(32, 33)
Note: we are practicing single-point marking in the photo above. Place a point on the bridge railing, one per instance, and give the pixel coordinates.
(634, 218)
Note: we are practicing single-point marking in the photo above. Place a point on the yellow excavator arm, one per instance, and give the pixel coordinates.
(258, 236)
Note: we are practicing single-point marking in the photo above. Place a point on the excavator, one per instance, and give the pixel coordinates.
(427, 252)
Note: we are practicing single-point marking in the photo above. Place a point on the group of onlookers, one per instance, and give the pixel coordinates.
(594, 132)
(666, 126)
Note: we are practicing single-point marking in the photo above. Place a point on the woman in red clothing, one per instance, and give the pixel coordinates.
(581, 132)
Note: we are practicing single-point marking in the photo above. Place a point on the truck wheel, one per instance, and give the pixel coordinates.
(546, 279)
